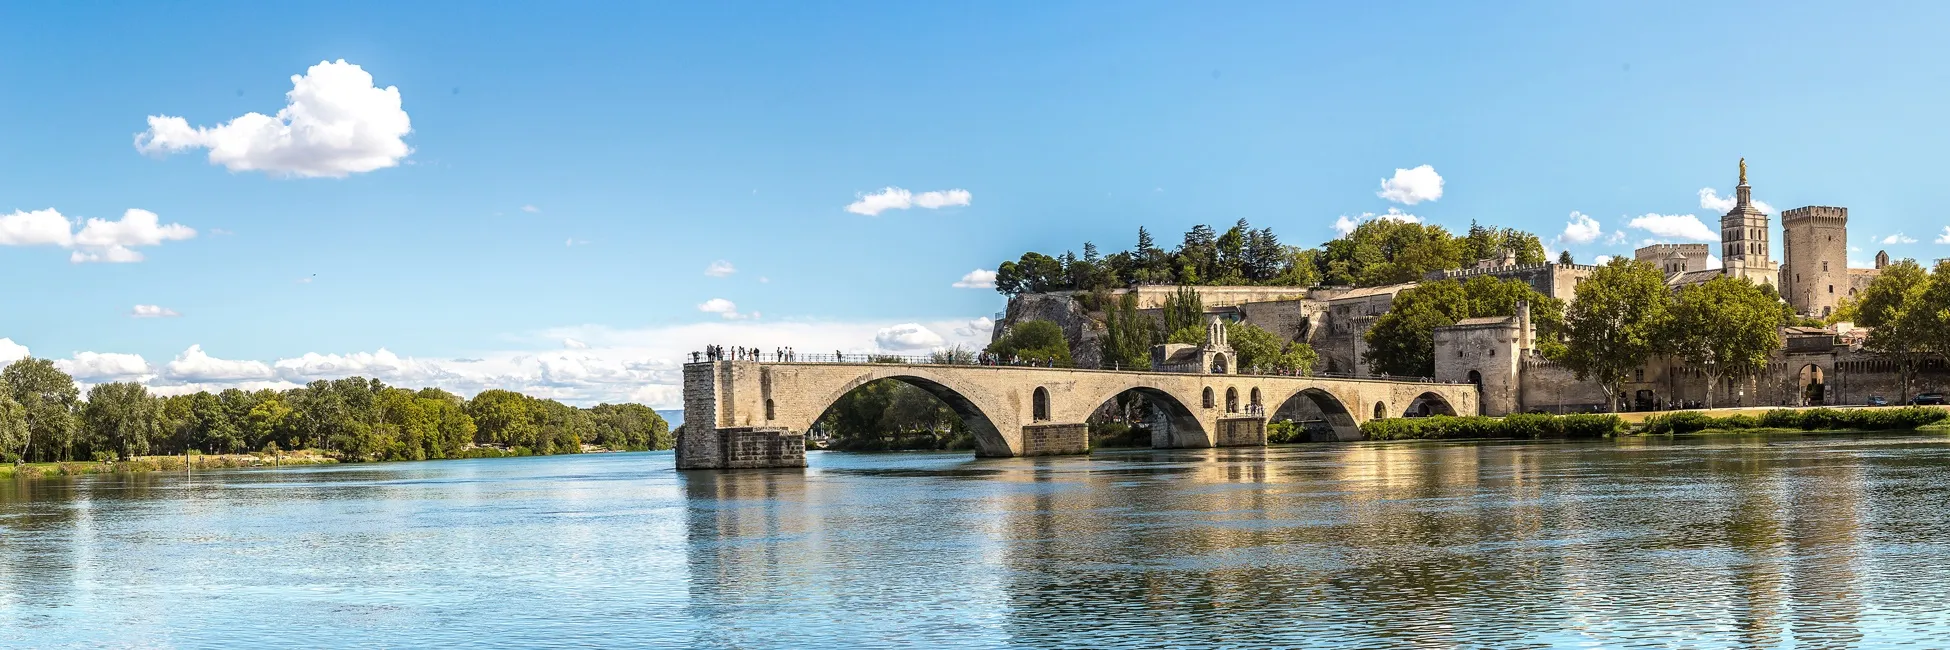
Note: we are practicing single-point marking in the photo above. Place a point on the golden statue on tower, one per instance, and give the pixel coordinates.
(1743, 171)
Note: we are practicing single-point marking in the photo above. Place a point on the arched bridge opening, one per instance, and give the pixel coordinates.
(1145, 417)
(1320, 416)
(906, 412)
(1427, 404)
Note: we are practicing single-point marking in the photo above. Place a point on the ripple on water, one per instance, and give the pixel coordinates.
(1805, 541)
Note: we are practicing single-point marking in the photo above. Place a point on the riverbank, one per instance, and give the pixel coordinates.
(165, 464)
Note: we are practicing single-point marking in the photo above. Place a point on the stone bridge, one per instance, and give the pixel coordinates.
(756, 414)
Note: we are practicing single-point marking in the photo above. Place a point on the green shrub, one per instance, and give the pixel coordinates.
(1443, 427)
(1589, 425)
(1736, 422)
(1781, 419)
(1680, 422)
(1285, 431)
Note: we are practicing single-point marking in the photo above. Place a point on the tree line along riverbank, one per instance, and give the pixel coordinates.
(44, 418)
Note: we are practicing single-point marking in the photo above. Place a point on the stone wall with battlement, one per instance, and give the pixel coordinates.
(1552, 279)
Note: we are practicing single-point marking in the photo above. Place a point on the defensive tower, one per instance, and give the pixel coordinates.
(1814, 258)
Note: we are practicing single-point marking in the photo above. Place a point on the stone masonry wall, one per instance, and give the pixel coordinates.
(750, 447)
(1055, 439)
(1241, 432)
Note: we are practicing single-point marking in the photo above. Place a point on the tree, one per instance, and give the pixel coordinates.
(121, 418)
(502, 418)
(1259, 351)
(1726, 327)
(1895, 308)
(1184, 308)
(1616, 322)
(1036, 341)
(13, 428)
(1386, 251)
(1402, 341)
(47, 397)
(1564, 257)
(1128, 335)
(956, 354)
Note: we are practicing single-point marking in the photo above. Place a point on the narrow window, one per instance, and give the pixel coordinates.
(770, 413)
(1208, 402)
(1232, 400)
(1039, 404)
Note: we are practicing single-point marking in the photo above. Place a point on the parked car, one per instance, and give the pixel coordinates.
(1877, 400)
(1927, 399)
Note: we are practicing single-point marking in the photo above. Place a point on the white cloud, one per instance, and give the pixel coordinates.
(1678, 226)
(1581, 229)
(894, 198)
(639, 365)
(531, 209)
(573, 242)
(11, 352)
(719, 269)
(1601, 260)
(193, 365)
(942, 199)
(96, 367)
(1412, 186)
(99, 240)
(37, 228)
(152, 311)
(1945, 237)
(1711, 201)
(1346, 224)
(723, 308)
(1712, 261)
(977, 279)
(980, 327)
(336, 123)
(383, 365)
(907, 337)
(1617, 237)
(573, 344)
(1899, 238)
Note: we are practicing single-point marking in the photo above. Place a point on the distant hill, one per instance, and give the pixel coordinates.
(673, 416)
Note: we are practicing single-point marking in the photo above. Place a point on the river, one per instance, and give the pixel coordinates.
(1789, 541)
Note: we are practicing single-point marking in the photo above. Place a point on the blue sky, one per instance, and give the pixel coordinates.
(649, 141)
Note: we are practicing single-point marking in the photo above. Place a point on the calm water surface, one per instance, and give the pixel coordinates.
(1716, 542)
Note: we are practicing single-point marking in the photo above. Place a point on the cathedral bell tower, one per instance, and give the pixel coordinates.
(1743, 237)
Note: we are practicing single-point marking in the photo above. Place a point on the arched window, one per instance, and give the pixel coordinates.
(1255, 401)
(1380, 410)
(1476, 378)
(1218, 364)
(770, 413)
(1208, 401)
(1039, 404)
(1232, 400)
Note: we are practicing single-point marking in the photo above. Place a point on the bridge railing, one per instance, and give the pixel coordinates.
(899, 359)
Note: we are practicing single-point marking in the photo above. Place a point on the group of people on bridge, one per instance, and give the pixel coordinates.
(737, 353)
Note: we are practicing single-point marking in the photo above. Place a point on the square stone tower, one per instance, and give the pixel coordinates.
(1743, 237)
(1814, 258)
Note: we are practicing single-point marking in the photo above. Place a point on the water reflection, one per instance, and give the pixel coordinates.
(1715, 542)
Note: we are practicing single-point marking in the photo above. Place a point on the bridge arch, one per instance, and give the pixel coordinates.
(1429, 403)
(1317, 403)
(1172, 419)
(979, 412)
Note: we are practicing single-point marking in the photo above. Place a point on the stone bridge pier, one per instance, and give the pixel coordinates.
(740, 414)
